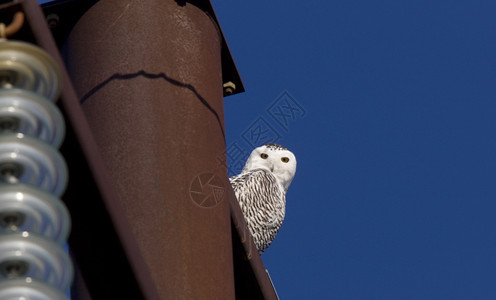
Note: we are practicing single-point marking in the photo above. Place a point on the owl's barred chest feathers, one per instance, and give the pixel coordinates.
(261, 191)
(263, 203)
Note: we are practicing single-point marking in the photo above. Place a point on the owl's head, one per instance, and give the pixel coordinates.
(274, 158)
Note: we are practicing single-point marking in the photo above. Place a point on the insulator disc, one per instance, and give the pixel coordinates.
(28, 255)
(28, 113)
(30, 161)
(28, 289)
(28, 67)
(26, 208)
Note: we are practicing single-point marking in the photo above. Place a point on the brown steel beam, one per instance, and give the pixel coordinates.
(149, 77)
(251, 278)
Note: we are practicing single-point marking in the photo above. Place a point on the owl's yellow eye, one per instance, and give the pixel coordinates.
(284, 159)
(263, 155)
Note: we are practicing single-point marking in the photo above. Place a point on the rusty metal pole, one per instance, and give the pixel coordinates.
(149, 77)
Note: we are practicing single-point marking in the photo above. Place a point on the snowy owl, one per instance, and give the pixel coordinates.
(261, 191)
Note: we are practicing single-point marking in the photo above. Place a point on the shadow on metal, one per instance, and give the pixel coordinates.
(163, 76)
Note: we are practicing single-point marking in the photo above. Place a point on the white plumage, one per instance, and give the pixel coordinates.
(261, 191)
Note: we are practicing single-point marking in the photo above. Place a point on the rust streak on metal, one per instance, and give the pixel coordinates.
(126, 8)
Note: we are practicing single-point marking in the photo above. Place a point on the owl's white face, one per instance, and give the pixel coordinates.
(274, 158)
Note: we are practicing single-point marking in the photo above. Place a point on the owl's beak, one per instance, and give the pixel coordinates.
(272, 167)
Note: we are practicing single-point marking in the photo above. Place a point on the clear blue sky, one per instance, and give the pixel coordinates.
(393, 125)
(394, 196)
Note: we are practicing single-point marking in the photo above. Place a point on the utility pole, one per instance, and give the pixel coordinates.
(153, 213)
